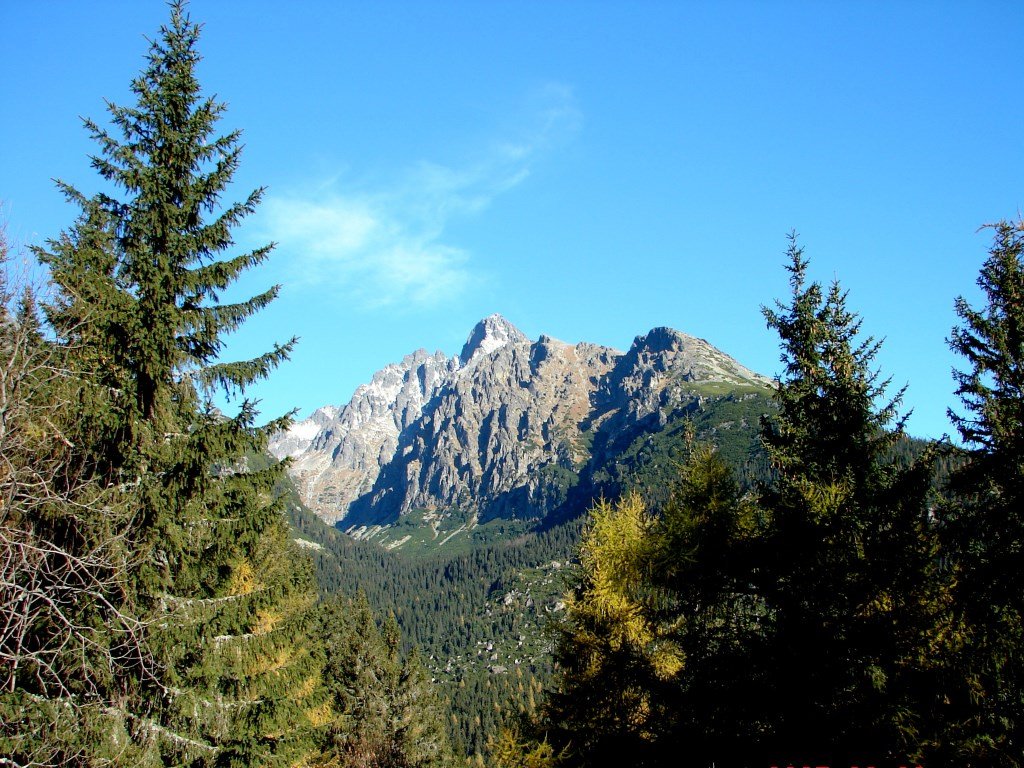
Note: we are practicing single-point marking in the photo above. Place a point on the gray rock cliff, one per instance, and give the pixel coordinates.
(504, 429)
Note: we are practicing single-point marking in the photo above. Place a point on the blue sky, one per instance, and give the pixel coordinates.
(590, 170)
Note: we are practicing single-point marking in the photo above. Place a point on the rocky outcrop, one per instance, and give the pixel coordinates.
(494, 432)
(504, 429)
(338, 453)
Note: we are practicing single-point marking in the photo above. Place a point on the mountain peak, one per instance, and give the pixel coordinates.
(491, 333)
(693, 358)
(503, 430)
(663, 339)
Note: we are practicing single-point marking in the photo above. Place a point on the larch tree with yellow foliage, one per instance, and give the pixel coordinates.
(655, 648)
(612, 654)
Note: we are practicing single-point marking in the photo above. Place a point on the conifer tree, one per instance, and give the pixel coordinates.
(654, 650)
(983, 525)
(384, 713)
(848, 549)
(706, 563)
(510, 749)
(802, 625)
(217, 580)
(611, 651)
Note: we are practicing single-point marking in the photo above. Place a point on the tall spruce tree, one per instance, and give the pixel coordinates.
(848, 548)
(654, 650)
(804, 624)
(217, 581)
(983, 525)
(706, 562)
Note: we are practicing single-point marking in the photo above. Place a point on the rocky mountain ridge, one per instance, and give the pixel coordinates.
(507, 429)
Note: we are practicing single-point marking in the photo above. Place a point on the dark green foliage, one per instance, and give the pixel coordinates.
(385, 710)
(992, 341)
(68, 631)
(730, 420)
(647, 457)
(983, 522)
(221, 589)
(449, 608)
(654, 652)
(706, 564)
(796, 623)
(848, 548)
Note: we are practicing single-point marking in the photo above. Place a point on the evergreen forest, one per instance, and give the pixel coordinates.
(818, 589)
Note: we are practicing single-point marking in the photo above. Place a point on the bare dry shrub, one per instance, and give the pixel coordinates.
(68, 639)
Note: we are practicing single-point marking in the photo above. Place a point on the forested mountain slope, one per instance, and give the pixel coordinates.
(479, 608)
(481, 612)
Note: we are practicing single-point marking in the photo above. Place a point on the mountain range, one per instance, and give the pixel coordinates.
(510, 430)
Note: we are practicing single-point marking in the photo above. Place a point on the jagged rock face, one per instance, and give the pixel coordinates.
(657, 375)
(489, 335)
(492, 430)
(495, 431)
(296, 440)
(338, 452)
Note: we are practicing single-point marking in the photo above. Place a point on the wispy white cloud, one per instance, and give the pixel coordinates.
(387, 246)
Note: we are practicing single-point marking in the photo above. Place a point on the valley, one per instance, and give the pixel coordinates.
(463, 483)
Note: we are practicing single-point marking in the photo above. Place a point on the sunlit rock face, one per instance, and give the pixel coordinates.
(501, 430)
